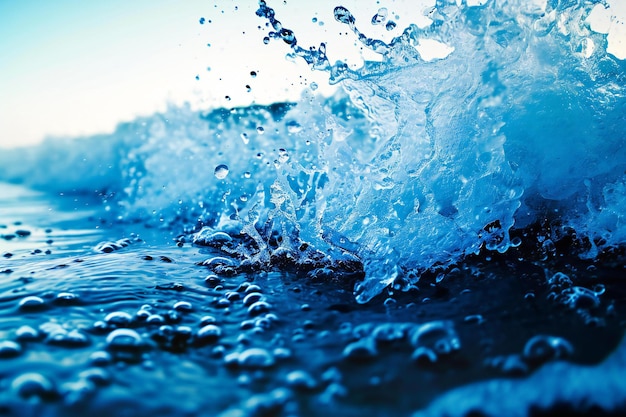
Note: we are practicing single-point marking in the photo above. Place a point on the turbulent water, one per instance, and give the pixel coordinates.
(512, 141)
(412, 166)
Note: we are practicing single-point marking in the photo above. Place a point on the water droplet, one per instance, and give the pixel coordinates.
(391, 25)
(260, 130)
(202, 20)
(380, 17)
(283, 156)
(253, 74)
(255, 358)
(343, 15)
(313, 86)
(221, 171)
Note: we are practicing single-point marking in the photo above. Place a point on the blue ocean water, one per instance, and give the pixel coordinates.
(510, 148)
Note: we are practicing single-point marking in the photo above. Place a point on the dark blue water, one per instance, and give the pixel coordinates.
(437, 235)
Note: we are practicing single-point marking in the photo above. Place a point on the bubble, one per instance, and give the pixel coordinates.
(31, 303)
(253, 74)
(184, 306)
(540, 349)
(213, 281)
(361, 350)
(389, 332)
(313, 86)
(26, 333)
(222, 303)
(252, 298)
(207, 320)
(208, 334)
(9, 349)
(251, 288)
(300, 380)
(579, 297)
(34, 384)
(255, 358)
(155, 319)
(100, 358)
(202, 20)
(73, 338)
(259, 307)
(124, 339)
(118, 318)
(424, 356)
(474, 318)
(391, 25)
(260, 130)
(244, 138)
(66, 298)
(221, 171)
(439, 336)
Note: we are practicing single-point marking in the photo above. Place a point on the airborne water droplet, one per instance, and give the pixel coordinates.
(221, 171)
(391, 25)
(380, 17)
(343, 15)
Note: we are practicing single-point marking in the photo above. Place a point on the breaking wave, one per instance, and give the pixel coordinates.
(415, 163)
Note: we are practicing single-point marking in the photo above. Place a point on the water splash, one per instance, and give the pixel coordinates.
(422, 158)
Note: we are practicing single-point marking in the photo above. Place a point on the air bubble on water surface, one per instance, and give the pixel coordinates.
(124, 339)
(255, 358)
(9, 349)
(439, 336)
(31, 303)
(543, 348)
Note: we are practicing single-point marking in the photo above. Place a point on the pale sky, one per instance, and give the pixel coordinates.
(79, 67)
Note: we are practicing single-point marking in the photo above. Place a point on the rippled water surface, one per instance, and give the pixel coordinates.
(145, 330)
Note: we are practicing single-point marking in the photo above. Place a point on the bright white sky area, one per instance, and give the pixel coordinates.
(79, 67)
